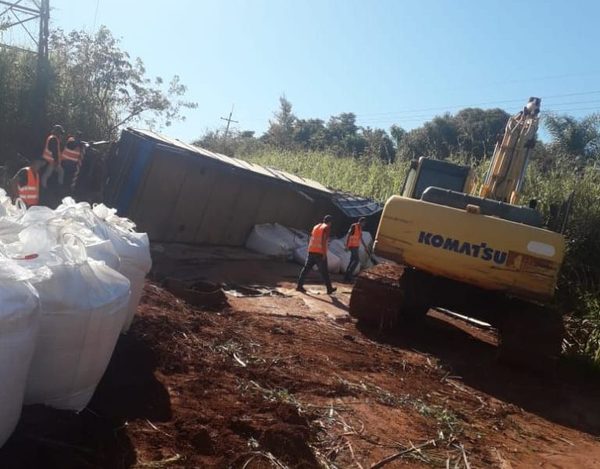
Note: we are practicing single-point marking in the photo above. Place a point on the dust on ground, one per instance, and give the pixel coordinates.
(289, 380)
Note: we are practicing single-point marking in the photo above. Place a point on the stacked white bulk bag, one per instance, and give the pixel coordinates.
(45, 236)
(83, 305)
(134, 252)
(10, 217)
(132, 248)
(19, 324)
(109, 215)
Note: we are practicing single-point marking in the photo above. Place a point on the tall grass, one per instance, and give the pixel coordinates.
(372, 179)
(579, 285)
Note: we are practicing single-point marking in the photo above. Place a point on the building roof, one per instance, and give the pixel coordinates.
(351, 205)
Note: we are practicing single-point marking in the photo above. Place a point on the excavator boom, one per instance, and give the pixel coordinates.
(504, 179)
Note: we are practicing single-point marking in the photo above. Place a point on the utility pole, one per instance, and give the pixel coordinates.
(229, 121)
(41, 88)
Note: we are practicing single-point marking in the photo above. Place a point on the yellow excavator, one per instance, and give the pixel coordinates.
(471, 250)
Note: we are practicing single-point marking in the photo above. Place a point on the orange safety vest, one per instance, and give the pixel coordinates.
(47, 154)
(356, 236)
(30, 193)
(71, 154)
(318, 239)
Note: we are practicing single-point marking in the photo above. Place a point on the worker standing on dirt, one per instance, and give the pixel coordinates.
(71, 159)
(51, 155)
(353, 242)
(317, 254)
(25, 185)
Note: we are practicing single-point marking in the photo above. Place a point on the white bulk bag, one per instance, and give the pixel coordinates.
(271, 240)
(11, 214)
(83, 306)
(44, 237)
(264, 241)
(333, 261)
(96, 248)
(19, 323)
(338, 247)
(132, 248)
(104, 251)
(110, 216)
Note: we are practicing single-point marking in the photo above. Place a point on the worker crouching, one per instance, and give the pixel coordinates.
(317, 254)
(25, 185)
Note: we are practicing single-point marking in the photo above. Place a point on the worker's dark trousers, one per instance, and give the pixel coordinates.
(354, 261)
(71, 168)
(321, 262)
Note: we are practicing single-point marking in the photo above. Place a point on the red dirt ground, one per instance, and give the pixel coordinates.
(290, 381)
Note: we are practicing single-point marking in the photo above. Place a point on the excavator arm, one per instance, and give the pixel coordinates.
(504, 179)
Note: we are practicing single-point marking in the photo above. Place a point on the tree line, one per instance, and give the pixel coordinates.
(469, 134)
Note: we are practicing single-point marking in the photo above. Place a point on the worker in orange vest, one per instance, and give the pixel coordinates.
(71, 159)
(51, 155)
(317, 254)
(353, 242)
(25, 184)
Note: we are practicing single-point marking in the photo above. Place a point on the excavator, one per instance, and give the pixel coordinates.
(470, 250)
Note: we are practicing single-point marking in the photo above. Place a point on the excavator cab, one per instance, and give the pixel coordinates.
(429, 172)
(452, 185)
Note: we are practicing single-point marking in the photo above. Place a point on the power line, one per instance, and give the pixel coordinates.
(419, 115)
(462, 106)
(384, 115)
(594, 109)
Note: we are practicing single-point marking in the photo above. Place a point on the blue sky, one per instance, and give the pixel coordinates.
(390, 62)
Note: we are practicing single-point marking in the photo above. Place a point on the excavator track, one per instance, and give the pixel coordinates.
(530, 335)
(386, 294)
(377, 296)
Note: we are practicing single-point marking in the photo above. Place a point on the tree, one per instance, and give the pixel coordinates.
(379, 145)
(343, 137)
(280, 132)
(576, 138)
(398, 134)
(96, 86)
(310, 134)
(471, 132)
(17, 80)
(478, 130)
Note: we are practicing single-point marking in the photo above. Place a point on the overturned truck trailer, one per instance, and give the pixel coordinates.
(181, 193)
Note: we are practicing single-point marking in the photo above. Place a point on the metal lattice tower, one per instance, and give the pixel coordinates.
(18, 22)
